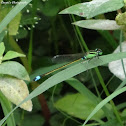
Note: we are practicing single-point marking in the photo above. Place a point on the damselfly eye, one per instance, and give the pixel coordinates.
(96, 49)
(99, 51)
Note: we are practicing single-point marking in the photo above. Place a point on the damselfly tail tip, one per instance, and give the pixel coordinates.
(37, 78)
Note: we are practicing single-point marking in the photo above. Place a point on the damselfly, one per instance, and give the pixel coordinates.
(89, 55)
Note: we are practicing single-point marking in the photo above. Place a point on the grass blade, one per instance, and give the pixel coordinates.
(106, 100)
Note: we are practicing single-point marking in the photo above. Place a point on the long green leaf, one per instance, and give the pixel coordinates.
(7, 107)
(93, 8)
(68, 73)
(81, 88)
(98, 24)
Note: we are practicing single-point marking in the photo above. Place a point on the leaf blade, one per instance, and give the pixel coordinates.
(2, 49)
(81, 106)
(98, 24)
(93, 8)
(12, 54)
(102, 103)
(15, 69)
(16, 91)
(7, 107)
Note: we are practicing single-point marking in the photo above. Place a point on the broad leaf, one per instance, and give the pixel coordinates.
(14, 69)
(93, 8)
(16, 91)
(102, 103)
(78, 105)
(98, 24)
(12, 54)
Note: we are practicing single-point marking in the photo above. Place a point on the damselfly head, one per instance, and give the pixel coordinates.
(99, 51)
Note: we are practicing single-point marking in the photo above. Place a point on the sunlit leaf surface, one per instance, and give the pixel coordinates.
(12, 54)
(16, 91)
(14, 24)
(2, 49)
(78, 105)
(98, 24)
(14, 69)
(93, 8)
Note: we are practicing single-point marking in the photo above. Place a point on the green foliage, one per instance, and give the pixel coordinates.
(34, 120)
(7, 107)
(98, 24)
(2, 35)
(8, 68)
(101, 104)
(52, 7)
(112, 123)
(76, 84)
(41, 33)
(68, 73)
(2, 49)
(12, 14)
(78, 105)
(121, 19)
(21, 34)
(93, 8)
(14, 24)
(12, 54)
